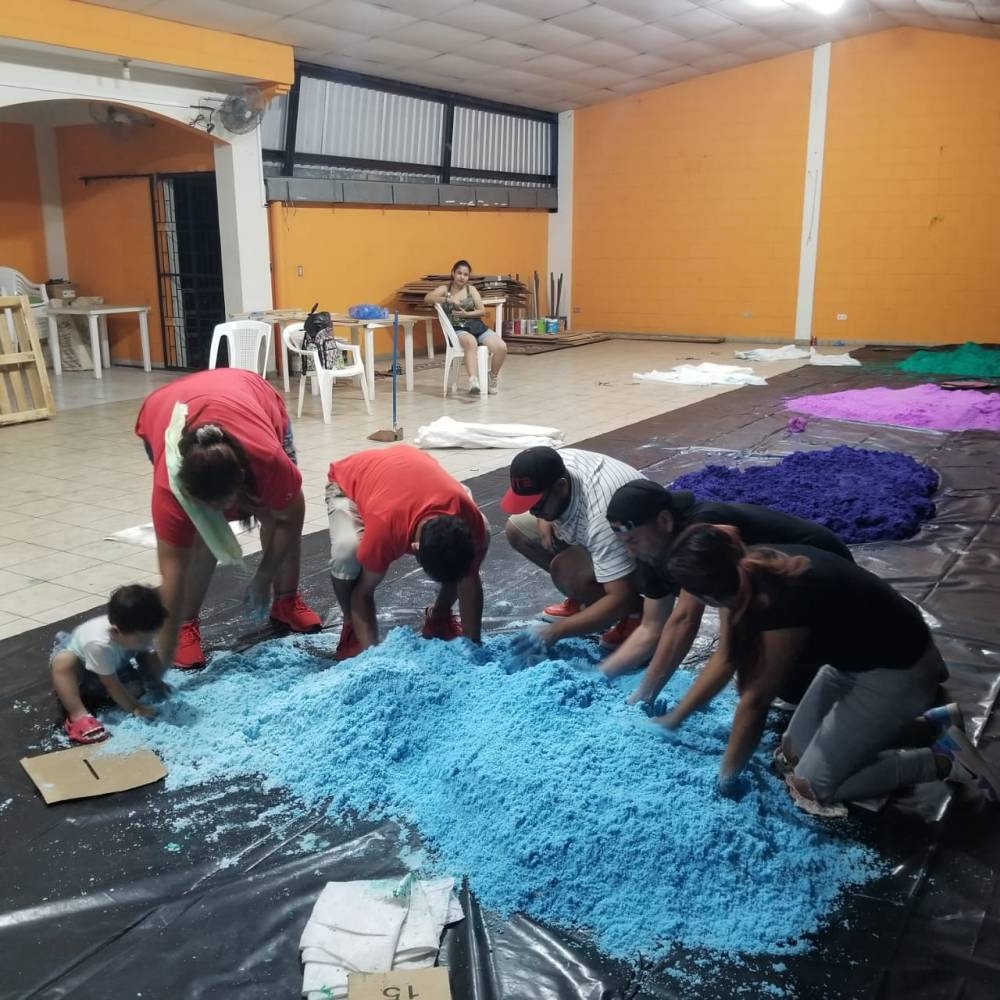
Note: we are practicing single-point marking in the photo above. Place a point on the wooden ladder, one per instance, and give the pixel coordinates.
(24, 383)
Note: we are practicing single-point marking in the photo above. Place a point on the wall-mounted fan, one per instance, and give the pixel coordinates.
(238, 113)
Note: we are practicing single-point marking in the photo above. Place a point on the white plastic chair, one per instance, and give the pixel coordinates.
(249, 343)
(13, 282)
(325, 377)
(453, 351)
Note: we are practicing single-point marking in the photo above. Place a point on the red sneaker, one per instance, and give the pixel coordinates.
(565, 609)
(441, 627)
(294, 613)
(349, 644)
(619, 632)
(188, 655)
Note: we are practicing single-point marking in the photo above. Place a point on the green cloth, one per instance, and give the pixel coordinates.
(211, 524)
(969, 359)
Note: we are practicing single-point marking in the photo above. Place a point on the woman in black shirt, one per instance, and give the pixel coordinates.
(788, 609)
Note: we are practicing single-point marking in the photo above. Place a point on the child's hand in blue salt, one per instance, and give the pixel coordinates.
(257, 599)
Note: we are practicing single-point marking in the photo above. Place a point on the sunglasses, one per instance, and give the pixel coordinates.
(623, 527)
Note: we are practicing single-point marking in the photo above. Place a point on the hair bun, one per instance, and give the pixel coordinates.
(209, 434)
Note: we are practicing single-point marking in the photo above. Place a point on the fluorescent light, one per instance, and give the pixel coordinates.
(825, 6)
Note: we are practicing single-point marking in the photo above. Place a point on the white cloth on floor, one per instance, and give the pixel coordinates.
(706, 373)
(448, 433)
(815, 358)
(144, 535)
(373, 926)
(787, 353)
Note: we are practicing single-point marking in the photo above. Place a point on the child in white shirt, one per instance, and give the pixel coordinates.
(96, 661)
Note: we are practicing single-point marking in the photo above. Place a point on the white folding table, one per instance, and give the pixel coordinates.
(366, 328)
(97, 323)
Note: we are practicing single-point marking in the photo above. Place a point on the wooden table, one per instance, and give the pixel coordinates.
(366, 328)
(97, 322)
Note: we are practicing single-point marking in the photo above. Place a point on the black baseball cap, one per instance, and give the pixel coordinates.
(639, 502)
(532, 474)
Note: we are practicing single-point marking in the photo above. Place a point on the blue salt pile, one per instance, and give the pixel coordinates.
(541, 785)
(861, 494)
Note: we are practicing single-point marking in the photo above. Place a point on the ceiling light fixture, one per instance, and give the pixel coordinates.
(825, 7)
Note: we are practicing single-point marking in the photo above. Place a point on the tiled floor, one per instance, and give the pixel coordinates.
(67, 483)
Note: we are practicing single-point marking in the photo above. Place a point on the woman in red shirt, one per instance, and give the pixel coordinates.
(236, 457)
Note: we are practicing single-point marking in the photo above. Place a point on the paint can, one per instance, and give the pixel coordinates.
(551, 325)
(539, 326)
(508, 328)
(517, 327)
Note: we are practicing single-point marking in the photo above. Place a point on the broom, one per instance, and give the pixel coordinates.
(396, 434)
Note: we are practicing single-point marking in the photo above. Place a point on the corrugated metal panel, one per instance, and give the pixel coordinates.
(485, 140)
(272, 128)
(336, 119)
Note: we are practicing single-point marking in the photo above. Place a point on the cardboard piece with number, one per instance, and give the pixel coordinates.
(402, 984)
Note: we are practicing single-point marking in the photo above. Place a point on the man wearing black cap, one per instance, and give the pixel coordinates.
(558, 502)
(647, 518)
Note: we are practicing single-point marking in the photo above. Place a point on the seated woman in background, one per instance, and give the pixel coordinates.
(464, 306)
(789, 608)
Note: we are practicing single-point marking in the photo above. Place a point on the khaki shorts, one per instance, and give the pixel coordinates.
(527, 524)
(346, 529)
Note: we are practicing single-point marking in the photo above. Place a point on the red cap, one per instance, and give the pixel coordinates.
(532, 474)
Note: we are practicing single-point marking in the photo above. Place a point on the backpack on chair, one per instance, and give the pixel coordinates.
(318, 336)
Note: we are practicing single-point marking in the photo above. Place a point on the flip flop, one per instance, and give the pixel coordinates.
(85, 729)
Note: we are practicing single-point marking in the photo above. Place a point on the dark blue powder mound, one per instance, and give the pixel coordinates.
(541, 785)
(862, 495)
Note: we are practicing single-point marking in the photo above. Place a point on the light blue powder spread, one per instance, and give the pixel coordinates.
(541, 785)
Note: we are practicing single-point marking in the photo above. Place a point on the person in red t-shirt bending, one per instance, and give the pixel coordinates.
(237, 456)
(387, 503)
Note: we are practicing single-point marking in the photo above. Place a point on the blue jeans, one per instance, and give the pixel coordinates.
(845, 721)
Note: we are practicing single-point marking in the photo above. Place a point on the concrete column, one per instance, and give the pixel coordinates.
(815, 148)
(47, 155)
(561, 222)
(246, 248)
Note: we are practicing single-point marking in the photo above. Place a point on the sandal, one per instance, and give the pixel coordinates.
(85, 729)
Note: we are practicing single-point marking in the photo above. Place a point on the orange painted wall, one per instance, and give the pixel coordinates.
(109, 224)
(22, 231)
(909, 242)
(688, 203)
(93, 28)
(351, 255)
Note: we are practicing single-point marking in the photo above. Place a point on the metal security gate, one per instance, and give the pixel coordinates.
(189, 265)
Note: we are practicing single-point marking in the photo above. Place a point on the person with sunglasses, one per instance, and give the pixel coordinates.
(557, 503)
(648, 518)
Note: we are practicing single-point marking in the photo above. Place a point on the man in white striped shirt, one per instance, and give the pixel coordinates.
(558, 502)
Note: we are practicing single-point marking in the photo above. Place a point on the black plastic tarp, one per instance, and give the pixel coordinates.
(91, 903)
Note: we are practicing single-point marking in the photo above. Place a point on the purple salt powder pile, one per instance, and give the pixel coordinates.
(862, 495)
(925, 406)
(543, 786)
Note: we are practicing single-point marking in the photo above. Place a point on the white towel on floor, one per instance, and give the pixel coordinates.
(144, 536)
(706, 373)
(448, 433)
(787, 353)
(373, 926)
(815, 358)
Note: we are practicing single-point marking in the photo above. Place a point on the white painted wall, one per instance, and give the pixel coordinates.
(561, 221)
(52, 212)
(246, 250)
(815, 145)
